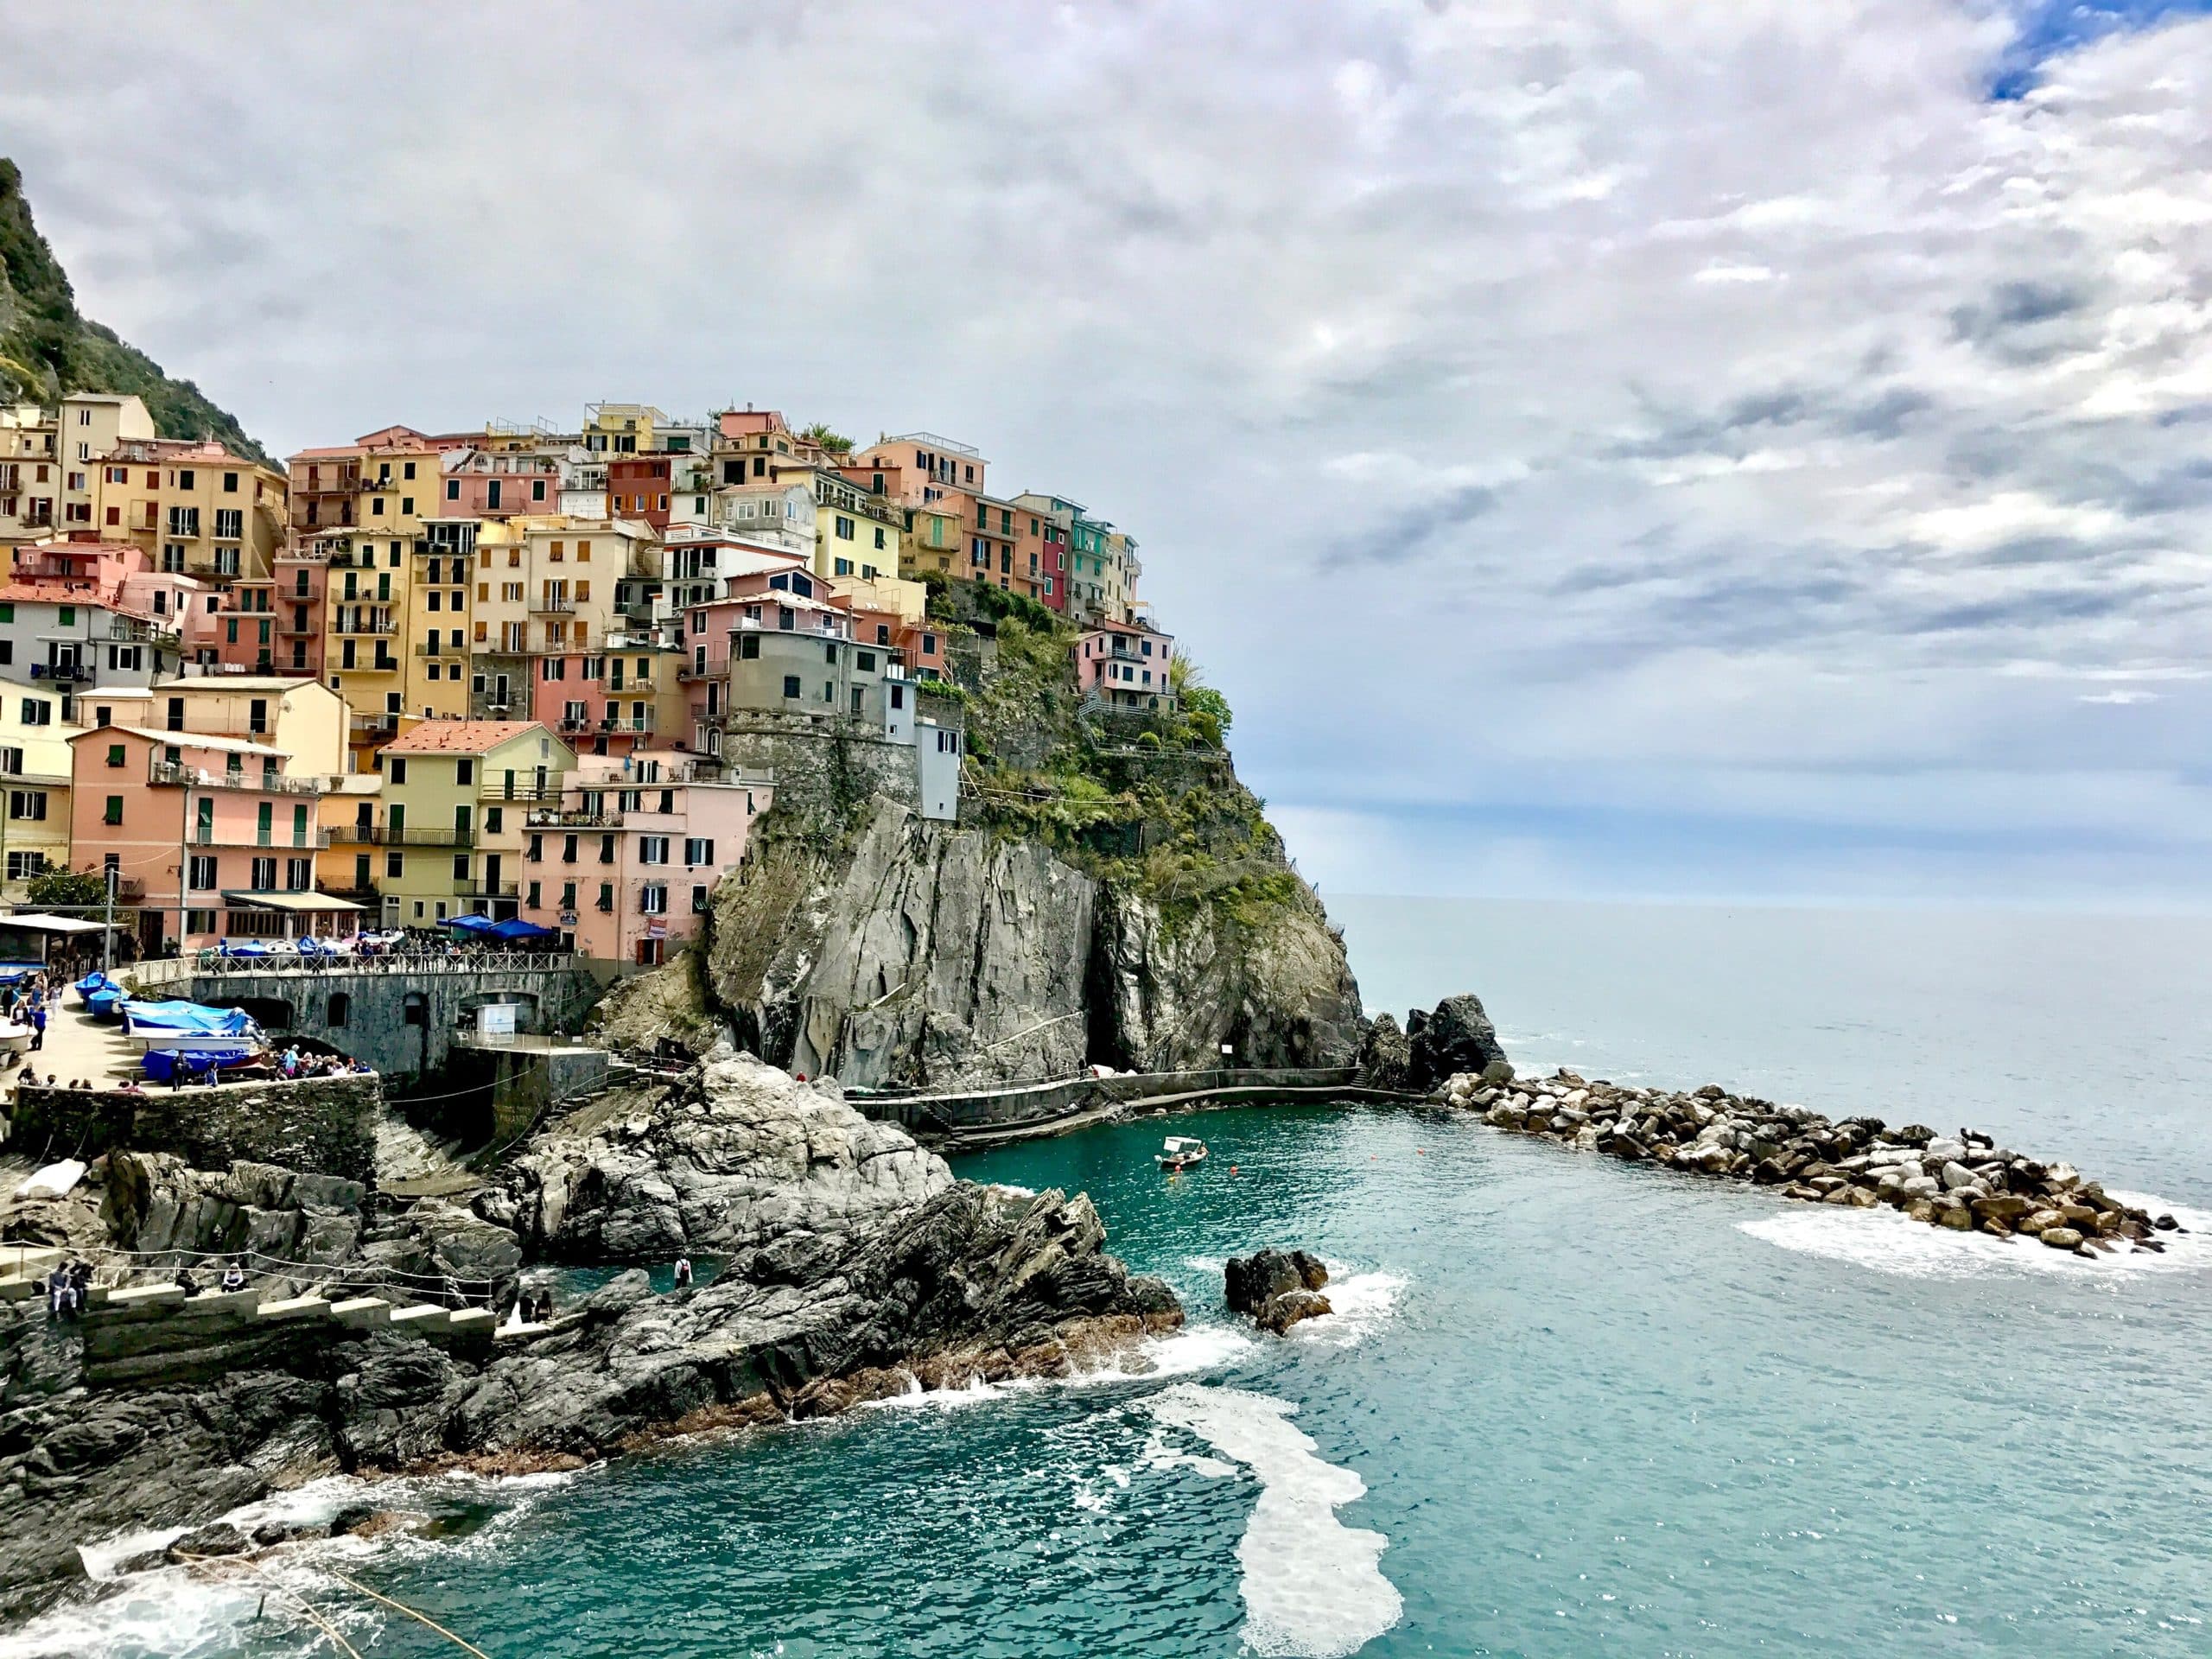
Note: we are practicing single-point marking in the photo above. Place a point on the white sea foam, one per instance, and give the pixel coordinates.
(1361, 1304)
(1312, 1586)
(189, 1612)
(1886, 1241)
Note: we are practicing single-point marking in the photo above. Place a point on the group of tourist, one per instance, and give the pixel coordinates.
(67, 1287)
(30, 1000)
(292, 1064)
(29, 1078)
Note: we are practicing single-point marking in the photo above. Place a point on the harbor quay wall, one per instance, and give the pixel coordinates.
(400, 1015)
(326, 1126)
(1041, 1105)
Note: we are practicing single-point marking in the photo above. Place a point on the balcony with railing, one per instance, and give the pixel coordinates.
(362, 622)
(495, 792)
(63, 673)
(631, 723)
(273, 839)
(553, 605)
(571, 818)
(357, 894)
(431, 648)
(477, 887)
(129, 631)
(260, 783)
(374, 729)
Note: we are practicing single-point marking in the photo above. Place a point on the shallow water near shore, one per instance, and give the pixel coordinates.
(1568, 1405)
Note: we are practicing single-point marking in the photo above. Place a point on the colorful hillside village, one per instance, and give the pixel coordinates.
(512, 673)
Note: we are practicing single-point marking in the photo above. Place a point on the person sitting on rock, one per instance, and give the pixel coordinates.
(233, 1277)
(184, 1281)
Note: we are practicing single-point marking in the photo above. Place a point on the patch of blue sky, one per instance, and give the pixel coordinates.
(2050, 29)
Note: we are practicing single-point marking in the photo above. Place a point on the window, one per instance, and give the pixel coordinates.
(394, 865)
(791, 687)
(264, 874)
(878, 540)
(299, 874)
(398, 769)
(339, 1010)
(698, 849)
(606, 900)
(114, 750)
(656, 900)
(701, 899)
(864, 661)
(27, 805)
(653, 849)
(749, 646)
(203, 874)
(21, 866)
(453, 494)
(114, 813)
(844, 528)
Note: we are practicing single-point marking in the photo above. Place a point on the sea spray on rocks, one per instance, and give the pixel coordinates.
(1966, 1182)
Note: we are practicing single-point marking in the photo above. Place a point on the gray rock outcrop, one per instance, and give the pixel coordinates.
(740, 1161)
(1454, 1037)
(1277, 1288)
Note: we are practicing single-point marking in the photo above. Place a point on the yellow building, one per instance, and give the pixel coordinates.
(454, 798)
(197, 509)
(546, 587)
(936, 543)
(31, 477)
(907, 601)
(88, 427)
(856, 533)
(35, 768)
(621, 429)
(303, 721)
(350, 816)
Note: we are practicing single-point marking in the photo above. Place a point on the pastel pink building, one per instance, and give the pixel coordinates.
(1126, 666)
(479, 484)
(212, 837)
(625, 867)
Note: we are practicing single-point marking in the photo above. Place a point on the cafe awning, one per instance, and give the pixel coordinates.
(32, 921)
(295, 902)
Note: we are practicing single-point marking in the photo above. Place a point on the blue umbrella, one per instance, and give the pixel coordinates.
(515, 928)
(470, 924)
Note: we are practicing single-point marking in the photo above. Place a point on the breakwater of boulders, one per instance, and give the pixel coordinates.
(1963, 1181)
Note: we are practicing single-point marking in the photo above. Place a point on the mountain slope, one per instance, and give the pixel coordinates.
(48, 349)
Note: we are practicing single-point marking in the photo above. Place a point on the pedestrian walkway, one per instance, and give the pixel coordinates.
(77, 1046)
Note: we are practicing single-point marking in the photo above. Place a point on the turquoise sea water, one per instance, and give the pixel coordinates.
(1570, 1407)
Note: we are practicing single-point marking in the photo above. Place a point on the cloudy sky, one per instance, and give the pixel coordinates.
(1646, 448)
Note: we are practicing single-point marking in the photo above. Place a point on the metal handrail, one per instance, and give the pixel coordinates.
(211, 963)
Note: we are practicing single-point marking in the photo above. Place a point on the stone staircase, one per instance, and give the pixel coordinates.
(147, 1335)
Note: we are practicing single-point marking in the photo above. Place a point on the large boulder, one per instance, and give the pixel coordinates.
(1385, 1055)
(1456, 1036)
(1278, 1289)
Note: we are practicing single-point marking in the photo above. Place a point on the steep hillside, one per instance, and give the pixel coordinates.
(1112, 893)
(47, 349)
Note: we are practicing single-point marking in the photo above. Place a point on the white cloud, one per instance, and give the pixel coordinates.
(1629, 398)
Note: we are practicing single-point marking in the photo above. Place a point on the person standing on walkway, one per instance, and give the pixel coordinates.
(38, 1024)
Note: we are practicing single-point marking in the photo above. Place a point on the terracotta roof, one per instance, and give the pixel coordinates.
(460, 736)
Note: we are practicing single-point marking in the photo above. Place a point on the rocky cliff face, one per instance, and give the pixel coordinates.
(941, 955)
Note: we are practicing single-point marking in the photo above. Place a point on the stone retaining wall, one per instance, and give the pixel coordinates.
(326, 1126)
(1042, 1104)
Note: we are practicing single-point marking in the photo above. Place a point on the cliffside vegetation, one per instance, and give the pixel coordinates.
(48, 350)
(1148, 801)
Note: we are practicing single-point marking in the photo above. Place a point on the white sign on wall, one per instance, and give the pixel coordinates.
(495, 1021)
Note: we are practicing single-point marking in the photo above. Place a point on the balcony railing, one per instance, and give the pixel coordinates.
(475, 888)
(260, 783)
(545, 606)
(370, 727)
(423, 648)
(571, 818)
(365, 624)
(632, 724)
(65, 673)
(357, 894)
(525, 794)
(431, 837)
(141, 634)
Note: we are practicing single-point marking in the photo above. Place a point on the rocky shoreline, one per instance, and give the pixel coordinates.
(1965, 1182)
(855, 1267)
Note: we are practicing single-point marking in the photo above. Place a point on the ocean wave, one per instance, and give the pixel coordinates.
(1886, 1241)
(1312, 1587)
(1360, 1304)
(196, 1612)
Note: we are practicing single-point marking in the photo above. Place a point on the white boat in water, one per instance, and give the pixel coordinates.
(1181, 1152)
